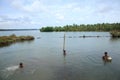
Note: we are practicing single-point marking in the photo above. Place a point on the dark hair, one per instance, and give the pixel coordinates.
(105, 53)
(21, 63)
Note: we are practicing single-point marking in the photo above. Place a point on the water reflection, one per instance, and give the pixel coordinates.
(107, 62)
(64, 57)
(114, 39)
(65, 73)
(64, 53)
(8, 44)
(5, 45)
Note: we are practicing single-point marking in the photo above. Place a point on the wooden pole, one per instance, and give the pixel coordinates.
(64, 43)
(64, 51)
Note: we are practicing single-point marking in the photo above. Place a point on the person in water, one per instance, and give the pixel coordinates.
(21, 65)
(64, 52)
(105, 57)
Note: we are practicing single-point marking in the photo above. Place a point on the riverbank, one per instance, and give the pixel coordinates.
(7, 40)
(115, 34)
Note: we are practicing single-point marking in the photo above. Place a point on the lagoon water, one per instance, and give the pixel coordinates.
(43, 57)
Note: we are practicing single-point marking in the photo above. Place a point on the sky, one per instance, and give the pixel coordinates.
(27, 14)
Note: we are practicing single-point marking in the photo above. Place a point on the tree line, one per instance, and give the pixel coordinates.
(83, 27)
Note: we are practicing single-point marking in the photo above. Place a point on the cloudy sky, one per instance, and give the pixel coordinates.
(39, 13)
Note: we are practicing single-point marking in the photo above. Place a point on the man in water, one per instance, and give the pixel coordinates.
(64, 52)
(105, 57)
(21, 65)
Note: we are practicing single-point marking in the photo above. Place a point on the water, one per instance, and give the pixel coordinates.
(43, 58)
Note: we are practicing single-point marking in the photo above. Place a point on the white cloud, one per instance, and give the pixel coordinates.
(17, 22)
(16, 25)
(17, 4)
(34, 6)
(104, 8)
(59, 16)
(44, 12)
(37, 6)
(14, 19)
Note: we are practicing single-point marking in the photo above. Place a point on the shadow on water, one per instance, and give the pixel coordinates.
(62, 72)
(67, 71)
(114, 39)
(9, 44)
(5, 45)
(105, 62)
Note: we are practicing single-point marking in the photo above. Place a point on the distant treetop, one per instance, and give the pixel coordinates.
(82, 27)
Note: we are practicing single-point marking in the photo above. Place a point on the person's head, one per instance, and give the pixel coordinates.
(105, 53)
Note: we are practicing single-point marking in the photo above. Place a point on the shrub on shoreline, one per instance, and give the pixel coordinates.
(115, 33)
(7, 40)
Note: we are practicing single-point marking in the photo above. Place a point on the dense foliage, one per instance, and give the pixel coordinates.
(82, 27)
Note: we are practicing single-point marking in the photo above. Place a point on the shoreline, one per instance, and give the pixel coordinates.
(7, 40)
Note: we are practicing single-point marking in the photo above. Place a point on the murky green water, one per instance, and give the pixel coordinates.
(43, 58)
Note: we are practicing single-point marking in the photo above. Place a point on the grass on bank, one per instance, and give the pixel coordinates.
(115, 33)
(6, 40)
